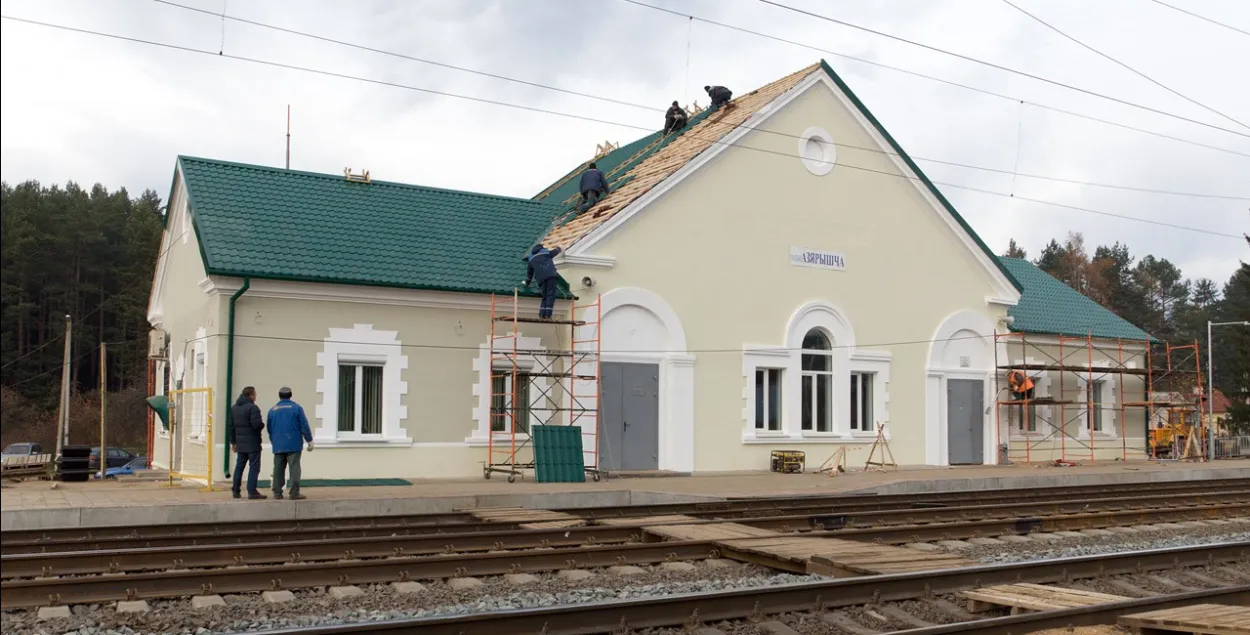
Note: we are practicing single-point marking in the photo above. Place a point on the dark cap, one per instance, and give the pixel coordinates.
(284, 393)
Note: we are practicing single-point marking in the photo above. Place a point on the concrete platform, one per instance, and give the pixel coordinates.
(38, 505)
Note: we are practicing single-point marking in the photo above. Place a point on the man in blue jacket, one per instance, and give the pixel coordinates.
(288, 431)
(542, 267)
(593, 185)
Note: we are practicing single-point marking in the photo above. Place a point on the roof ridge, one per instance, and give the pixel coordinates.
(339, 177)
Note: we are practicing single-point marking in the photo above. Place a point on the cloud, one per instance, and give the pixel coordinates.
(88, 109)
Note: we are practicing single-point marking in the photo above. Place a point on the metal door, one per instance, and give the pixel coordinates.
(629, 437)
(965, 427)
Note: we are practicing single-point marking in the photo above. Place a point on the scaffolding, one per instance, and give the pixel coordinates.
(1170, 393)
(538, 386)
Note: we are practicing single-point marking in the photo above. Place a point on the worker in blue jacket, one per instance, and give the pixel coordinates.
(542, 268)
(288, 431)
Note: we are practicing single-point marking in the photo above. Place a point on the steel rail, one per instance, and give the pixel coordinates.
(696, 608)
(923, 525)
(622, 532)
(16, 539)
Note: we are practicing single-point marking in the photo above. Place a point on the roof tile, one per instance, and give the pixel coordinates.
(286, 224)
(1048, 306)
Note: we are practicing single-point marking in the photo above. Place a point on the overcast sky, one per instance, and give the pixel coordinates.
(84, 108)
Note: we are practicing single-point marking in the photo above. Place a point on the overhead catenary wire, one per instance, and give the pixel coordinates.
(716, 141)
(1122, 64)
(1202, 17)
(1001, 67)
(691, 20)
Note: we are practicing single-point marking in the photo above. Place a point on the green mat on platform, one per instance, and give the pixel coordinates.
(341, 482)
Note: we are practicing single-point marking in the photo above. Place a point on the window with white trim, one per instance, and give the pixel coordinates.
(768, 399)
(861, 402)
(817, 382)
(360, 399)
(509, 409)
(1095, 408)
(361, 388)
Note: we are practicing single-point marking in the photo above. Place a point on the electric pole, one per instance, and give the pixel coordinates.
(62, 424)
(104, 453)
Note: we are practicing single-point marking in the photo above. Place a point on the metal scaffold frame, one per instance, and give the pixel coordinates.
(1171, 390)
(570, 396)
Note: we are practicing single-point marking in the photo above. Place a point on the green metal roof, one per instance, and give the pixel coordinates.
(1051, 307)
(277, 224)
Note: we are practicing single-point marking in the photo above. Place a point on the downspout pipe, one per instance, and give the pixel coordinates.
(247, 284)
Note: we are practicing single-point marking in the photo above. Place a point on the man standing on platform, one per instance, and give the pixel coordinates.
(245, 419)
(288, 431)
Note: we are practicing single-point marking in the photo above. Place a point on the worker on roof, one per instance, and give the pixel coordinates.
(542, 268)
(675, 119)
(719, 94)
(593, 186)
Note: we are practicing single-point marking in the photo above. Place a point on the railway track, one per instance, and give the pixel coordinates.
(23, 541)
(892, 527)
(692, 611)
(348, 568)
(485, 536)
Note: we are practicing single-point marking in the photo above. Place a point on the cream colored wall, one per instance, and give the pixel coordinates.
(716, 248)
(185, 307)
(441, 346)
(1123, 436)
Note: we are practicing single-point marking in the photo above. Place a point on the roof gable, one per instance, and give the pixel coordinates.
(256, 221)
(1050, 307)
(711, 133)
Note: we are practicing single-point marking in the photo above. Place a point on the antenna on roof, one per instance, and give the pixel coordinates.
(288, 136)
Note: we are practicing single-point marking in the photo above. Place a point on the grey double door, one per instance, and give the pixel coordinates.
(965, 422)
(629, 431)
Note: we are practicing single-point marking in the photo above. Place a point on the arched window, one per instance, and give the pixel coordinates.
(817, 411)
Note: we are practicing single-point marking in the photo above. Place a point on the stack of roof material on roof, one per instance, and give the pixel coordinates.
(704, 132)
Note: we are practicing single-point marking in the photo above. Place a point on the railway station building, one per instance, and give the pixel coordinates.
(779, 275)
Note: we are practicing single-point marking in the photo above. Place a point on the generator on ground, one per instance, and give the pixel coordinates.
(787, 461)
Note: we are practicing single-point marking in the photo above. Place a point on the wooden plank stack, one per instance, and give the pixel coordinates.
(526, 518)
(1202, 619)
(1033, 597)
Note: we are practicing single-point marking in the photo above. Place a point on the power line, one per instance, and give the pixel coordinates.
(477, 349)
(573, 116)
(654, 109)
(81, 357)
(939, 80)
(1201, 17)
(1004, 68)
(46, 344)
(1122, 64)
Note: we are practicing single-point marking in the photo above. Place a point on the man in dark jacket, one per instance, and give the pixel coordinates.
(719, 94)
(288, 431)
(245, 419)
(675, 119)
(542, 267)
(593, 187)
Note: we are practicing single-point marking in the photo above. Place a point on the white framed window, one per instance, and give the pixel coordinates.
(862, 402)
(817, 151)
(817, 383)
(509, 408)
(360, 399)
(1095, 408)
(361, 388)
(768, 399)
(493, 390)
